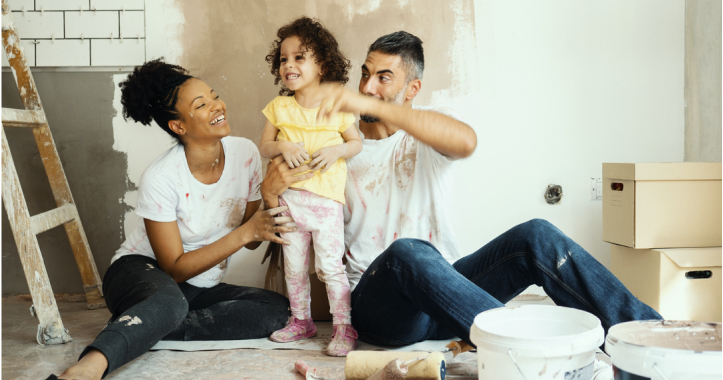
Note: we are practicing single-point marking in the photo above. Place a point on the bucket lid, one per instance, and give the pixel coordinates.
(675, 335)
(538, 329)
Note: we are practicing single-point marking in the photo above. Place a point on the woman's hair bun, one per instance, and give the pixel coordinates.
(144, 94)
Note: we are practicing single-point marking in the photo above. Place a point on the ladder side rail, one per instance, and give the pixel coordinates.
(50, 329)
(92, 282)
(18, 63)
(31, 100)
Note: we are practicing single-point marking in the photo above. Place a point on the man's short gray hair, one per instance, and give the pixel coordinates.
(405, 45)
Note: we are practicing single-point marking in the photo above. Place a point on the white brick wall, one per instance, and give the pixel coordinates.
(68, 31)
(117, 53)
(60, 5)
(39, 24)
(62, 53)
(17, 5)
(132, 24)
(91, 24)
(117, 5)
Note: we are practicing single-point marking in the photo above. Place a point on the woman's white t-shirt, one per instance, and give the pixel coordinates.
(168, 192)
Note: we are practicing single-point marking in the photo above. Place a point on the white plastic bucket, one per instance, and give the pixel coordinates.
(536, 342)
(665, 350)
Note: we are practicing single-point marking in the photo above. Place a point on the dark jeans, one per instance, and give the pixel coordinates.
(410, 293)
(147, 306)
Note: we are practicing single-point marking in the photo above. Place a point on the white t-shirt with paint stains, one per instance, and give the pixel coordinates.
(168, 192)
(397, 188)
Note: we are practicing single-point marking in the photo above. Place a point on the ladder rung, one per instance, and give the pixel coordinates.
(23, 118)
(53, 218)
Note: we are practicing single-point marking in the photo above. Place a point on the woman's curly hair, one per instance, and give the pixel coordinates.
(150, 93)
(334, 65)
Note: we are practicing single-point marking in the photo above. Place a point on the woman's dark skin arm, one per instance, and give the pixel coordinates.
(257, 226)
(165, 239)
(251, 208)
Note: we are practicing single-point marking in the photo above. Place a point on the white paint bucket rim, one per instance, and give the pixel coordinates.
(590, 338)
(564, 344)
(626, 345)
(620, 333)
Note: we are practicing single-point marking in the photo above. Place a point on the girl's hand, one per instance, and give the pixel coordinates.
(327, 156)
(265, 224)
(294, 154)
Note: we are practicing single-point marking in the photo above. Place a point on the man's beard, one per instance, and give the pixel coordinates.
(397, 99)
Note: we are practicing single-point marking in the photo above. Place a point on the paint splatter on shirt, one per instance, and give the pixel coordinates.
(204, 213)
(397, 188)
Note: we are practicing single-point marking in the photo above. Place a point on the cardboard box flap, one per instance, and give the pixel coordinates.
(695, 257)
(619, 171)
(664, 171)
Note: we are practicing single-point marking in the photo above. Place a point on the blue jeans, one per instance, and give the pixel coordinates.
(147, 306)
(410, 293)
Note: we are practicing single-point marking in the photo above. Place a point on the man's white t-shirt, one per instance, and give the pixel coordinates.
(168, 192)
(396, 187)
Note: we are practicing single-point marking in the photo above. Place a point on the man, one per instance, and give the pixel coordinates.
(399, 239)
(410, 282)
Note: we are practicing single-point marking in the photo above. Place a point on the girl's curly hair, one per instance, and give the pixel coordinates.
(150, 93)
(334, 65)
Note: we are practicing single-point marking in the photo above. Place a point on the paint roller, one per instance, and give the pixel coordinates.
(458, 347)
(390, 365)
(394, 370)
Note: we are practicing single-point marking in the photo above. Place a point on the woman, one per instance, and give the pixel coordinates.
(200, 203)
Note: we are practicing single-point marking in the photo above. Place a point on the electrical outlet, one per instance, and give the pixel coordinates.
(595, 189)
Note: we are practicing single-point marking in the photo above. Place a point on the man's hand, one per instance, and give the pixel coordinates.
(278, 179)
(339, 99)
(444, 134)
(327, 156)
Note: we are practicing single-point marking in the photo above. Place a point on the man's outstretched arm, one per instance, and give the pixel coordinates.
(445, 134)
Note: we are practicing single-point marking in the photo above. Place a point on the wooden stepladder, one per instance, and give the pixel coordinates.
(24, 227)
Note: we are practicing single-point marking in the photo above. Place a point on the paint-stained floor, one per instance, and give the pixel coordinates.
(23, 358)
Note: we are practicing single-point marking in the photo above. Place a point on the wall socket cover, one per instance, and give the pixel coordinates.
(595, 189)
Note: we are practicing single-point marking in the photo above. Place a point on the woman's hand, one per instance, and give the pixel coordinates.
(278, 179)
(327, 156)
(265, 224)
(294, 154)
(165, 239)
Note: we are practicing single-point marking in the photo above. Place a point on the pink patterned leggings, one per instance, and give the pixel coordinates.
(321, 219)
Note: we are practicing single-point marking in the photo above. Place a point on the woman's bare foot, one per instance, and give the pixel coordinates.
(90, 367)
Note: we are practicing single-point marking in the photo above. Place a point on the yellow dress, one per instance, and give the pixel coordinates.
(298, 124)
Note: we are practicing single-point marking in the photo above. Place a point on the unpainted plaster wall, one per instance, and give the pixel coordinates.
(226, 45)
(79, 111)
(703, 80)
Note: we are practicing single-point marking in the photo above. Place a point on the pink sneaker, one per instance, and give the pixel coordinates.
(343, 340)
(296, 329)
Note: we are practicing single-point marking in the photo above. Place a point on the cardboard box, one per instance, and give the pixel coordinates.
(656, 205)
(319, 299)
(680, 283)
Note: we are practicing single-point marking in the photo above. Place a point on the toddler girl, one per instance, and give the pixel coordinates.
(305, 55)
